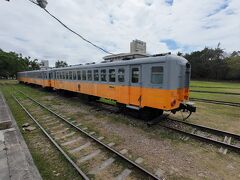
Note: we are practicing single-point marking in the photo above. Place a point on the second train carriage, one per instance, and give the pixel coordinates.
(153, 83)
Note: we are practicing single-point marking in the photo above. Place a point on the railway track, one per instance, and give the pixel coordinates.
(225, 140)
(220, 138)
(216, 102)
(212, 92)
(88, 154)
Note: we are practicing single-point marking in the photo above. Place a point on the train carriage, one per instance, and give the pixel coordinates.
(148, 84)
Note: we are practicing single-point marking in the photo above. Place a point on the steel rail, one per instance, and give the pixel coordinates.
(208, 129)
(216, 102)
(84, 176)
(95, 139)
(212, 92)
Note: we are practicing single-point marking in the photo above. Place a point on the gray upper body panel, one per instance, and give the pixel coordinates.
(174, 68)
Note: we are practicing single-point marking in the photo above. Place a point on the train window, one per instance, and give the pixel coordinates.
(74, 75)
(89, 75)
(157, 75)
(67, 75)
(121, 73)
(84, 75)
(112, 75)
(70, 75)
(96, 75)
(50, 75)
(103, 75)
(79, 75)
(61, 75)
(135, 75)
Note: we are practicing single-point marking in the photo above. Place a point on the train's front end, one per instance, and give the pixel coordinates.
(180, 80)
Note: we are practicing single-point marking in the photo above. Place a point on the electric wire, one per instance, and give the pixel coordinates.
(96, 46)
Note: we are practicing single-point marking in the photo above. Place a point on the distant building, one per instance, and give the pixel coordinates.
(137, 50)
(137, 46)
(44, 64)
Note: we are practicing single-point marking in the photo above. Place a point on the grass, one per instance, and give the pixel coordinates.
(46, 157)
(212, 96)
(212, 84)
(215, 87)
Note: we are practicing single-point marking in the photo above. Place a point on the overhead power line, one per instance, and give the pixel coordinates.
(43, 7)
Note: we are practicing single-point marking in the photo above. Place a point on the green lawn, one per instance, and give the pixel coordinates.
(227, 87)
(217, 85)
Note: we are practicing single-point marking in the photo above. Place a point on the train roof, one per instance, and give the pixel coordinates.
(122, 63)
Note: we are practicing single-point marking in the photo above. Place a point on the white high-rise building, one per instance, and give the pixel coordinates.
(44, 64)
(137, 46)
(137, 50)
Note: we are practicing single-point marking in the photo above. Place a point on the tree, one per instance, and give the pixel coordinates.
(233, 64)
(11, 63)
(60, 64)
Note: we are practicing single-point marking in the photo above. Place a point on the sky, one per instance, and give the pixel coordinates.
(165, 25)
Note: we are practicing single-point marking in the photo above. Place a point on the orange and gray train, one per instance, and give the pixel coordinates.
(149, 84)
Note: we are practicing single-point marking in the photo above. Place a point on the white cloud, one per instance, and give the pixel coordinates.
(27, 29)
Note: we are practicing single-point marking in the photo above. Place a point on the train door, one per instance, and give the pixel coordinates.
(111, 93)
(50, 83)
(135, 95)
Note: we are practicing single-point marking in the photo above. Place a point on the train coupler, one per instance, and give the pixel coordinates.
(188, 106)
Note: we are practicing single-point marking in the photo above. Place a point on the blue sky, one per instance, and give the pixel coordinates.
(165, 25)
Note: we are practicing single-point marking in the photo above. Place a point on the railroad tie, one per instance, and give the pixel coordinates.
(56, 127)
(47, 117)
(111, 144)
(159, 173)
(124, 151)
(75, 150)
(72, 141)
(73, 122)
(102, 166)
(139, 160)
(89, 156)
(101, 138)
(91, 133)
(228, 141)
(65, 136)
(48, 120)
(192, 132)
(52, 123)
(124, 174)
(60, 131)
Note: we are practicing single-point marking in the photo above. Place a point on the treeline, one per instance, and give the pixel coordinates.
(209, 64)
(11, 63)
(214, 64)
